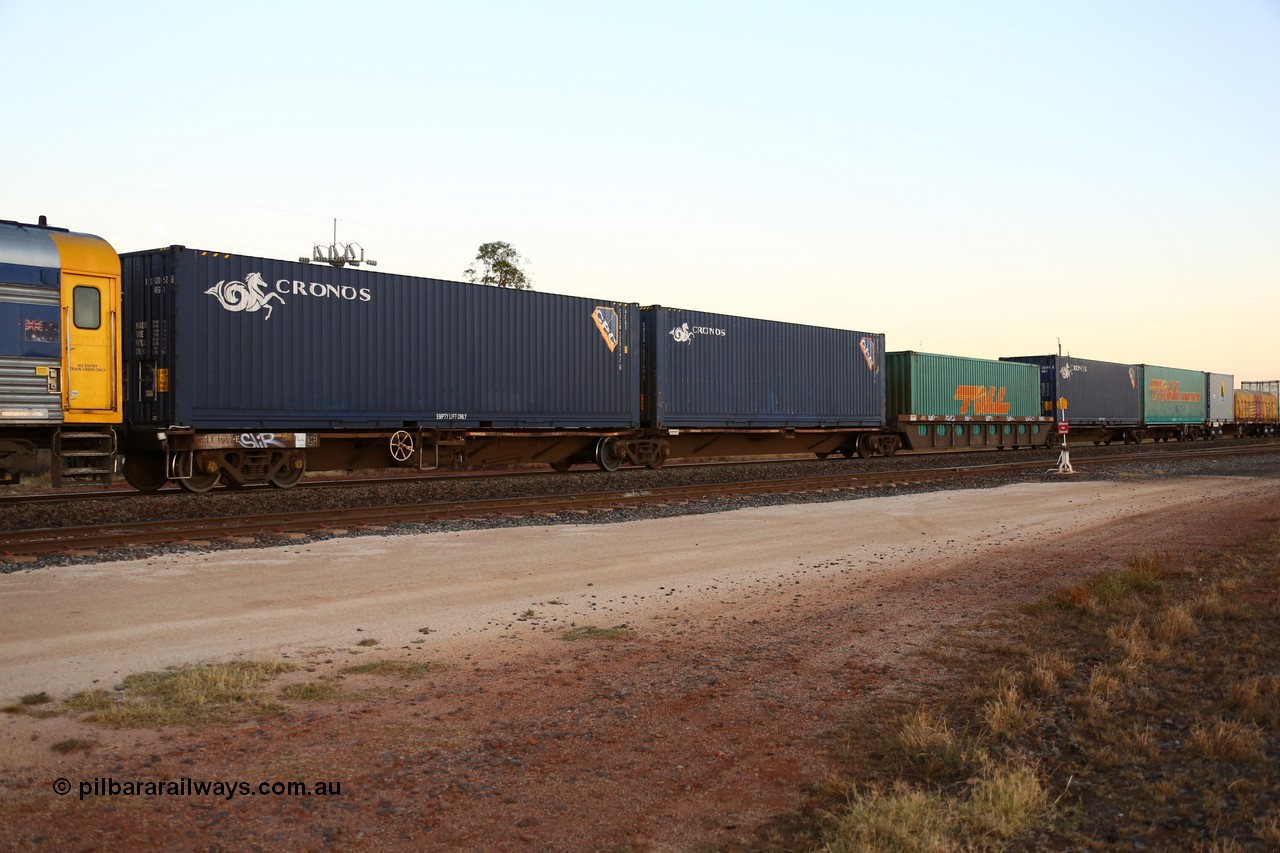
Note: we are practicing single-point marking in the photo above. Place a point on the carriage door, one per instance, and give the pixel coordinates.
(89, 319)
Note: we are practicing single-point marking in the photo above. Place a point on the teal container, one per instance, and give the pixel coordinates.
(1172, 396)
(926, 385)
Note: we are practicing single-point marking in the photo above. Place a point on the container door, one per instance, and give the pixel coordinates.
(89, 344)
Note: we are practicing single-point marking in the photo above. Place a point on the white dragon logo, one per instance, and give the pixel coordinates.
(248, 295)
(681, 334)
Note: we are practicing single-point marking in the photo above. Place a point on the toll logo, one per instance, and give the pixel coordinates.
(1164, 391)
(248, 295)
(984, 400)
(606, 320)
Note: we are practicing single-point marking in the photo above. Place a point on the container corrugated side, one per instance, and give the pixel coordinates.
(1255, 406)
(252, 342)
(1094, 392)
(1220, 394)
(710, 370)
(1172, 395)
(929, 385)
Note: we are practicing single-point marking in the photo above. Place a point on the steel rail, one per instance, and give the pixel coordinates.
(123, 492)
(177, 531)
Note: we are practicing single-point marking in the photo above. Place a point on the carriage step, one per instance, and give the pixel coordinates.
(83, 455)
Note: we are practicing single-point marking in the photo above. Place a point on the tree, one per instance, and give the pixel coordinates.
(498, 264)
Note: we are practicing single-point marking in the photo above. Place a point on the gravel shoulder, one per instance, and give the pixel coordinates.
(754, 631)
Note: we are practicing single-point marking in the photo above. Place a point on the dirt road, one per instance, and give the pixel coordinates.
(753, 632)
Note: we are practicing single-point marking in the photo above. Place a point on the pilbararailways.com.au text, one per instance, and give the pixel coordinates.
(107, 786)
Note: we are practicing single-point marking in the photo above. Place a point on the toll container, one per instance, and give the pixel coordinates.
(953, 401)
(218, 341)
(1085, 392)
(1220, 399)
(1172, 395)
(719, 371)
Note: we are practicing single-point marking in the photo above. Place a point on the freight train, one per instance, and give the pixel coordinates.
(208, 368)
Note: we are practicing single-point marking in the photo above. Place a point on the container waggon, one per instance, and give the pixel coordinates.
(1173, 403)
(947, 401)
(1220, 408)
(1257, 408)
(1101, 401)
(1104, 401)
(242, 369)
(721, 385)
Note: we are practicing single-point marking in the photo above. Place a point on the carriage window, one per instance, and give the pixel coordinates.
(86, 307)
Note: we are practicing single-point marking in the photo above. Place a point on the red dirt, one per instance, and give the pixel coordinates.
(700, 728)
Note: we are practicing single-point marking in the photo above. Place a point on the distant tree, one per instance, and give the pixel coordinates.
(498, 264)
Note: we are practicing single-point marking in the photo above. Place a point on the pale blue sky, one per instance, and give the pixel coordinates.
(975, 178)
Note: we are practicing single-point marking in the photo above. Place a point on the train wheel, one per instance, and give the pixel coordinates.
(288, 477)
(607, 456)
(144, 471)
(866, 445)
(889, 445)
(200, 482)
(402, 447)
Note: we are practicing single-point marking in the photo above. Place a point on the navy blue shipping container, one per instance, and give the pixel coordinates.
(225, 342)
(1096, 393)
(720, 371)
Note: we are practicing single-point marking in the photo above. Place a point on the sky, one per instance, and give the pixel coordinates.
(973, 178)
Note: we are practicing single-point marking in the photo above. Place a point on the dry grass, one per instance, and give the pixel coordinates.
(398, 668)
(926, 740)
(1226, 740)
(1173, 625)
(590, 632)
(1046, 671)
(1257, 699)
(194, 695)
(998, 807)
(311, 691)
(1008, 713)
(1148, 713)
(65, 747)
(1133, 640)
(1108, 588)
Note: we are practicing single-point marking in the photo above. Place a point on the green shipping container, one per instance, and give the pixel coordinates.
(948, 386)
(1171, 395)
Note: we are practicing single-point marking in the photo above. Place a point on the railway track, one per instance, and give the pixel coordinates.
(16, 545)
(121, 491)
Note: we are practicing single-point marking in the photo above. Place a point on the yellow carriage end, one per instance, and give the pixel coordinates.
(87, 254)
(91, 357)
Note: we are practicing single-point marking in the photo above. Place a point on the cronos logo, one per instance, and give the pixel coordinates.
(254, 294)
(684, 333)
